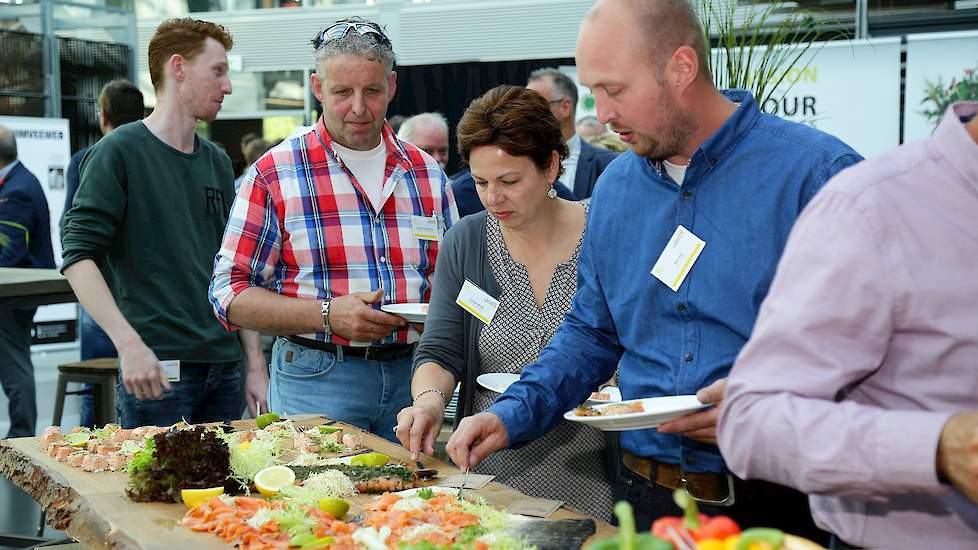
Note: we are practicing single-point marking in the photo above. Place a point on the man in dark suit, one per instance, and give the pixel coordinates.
(586, 162)
(25, 241)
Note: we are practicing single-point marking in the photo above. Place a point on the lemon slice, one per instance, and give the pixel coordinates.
(335, 507)
(77, 439)
(370, 459)
(271, 480)
(195, 497)
(244, 446)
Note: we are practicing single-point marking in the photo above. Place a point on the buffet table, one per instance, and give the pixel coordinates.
(94, 509)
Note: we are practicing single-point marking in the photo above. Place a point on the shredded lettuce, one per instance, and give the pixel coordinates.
(328, 484)
(492, 519)
(294, 520)
(260, 453)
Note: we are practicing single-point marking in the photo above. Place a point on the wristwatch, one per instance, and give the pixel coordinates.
(326, 316)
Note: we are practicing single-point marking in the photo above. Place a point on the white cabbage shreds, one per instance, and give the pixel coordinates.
(369, 538)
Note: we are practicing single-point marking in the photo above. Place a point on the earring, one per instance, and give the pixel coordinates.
(552, 193)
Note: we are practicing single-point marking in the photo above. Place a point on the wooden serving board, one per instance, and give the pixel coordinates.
(94, 509)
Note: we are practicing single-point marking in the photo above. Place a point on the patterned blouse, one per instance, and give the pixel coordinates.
(569, 462)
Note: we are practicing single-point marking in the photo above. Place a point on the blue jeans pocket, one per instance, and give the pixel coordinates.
(298, 362)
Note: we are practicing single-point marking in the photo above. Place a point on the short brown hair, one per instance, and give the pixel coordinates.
(515, 119)
(121, 102)
(185, 37)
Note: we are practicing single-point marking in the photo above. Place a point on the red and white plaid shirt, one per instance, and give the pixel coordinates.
(302, 226)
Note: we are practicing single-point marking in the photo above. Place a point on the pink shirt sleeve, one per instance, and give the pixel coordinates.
(823, 330)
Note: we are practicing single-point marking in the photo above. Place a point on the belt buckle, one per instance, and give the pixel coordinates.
(728, 501)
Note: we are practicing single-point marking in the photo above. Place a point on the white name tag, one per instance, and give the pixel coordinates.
(171, 369)
(425, 228)
(678, 258)
(475, 300)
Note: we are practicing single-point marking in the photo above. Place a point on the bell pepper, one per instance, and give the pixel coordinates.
(699, 526)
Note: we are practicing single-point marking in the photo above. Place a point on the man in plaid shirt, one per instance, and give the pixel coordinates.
(328, 226)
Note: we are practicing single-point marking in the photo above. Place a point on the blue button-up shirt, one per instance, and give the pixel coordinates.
(744, 188)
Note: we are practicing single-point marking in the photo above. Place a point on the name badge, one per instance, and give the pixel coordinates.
(678, 257)
(475, 300)
(171, 369)
(426, 228)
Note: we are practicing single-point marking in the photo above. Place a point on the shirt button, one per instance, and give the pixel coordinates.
(681, 308)
(389, 299)
(713, 162)
(687, 195)
(383, 259)
(688, 357)
(690, 461)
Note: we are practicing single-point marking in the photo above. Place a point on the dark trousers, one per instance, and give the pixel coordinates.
(95, 344)
(17, 371)
(206, 392)
(757, 504)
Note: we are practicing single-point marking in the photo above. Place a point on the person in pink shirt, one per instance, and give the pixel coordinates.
(859, 384)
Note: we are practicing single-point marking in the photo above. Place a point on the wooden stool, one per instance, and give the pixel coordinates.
(101, 373)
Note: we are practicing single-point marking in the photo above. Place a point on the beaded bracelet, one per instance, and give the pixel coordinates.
(429, 390)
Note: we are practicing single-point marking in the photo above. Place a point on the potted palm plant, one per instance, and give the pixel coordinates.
(758, 44)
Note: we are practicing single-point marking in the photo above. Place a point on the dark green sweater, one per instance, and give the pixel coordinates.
(152, 218)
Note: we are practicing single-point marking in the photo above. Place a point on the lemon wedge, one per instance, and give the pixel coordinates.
(267, 419)
(370, 459)
(335, 507)
(195, 497)
(77, 439)
(271, 480)
(244, 446)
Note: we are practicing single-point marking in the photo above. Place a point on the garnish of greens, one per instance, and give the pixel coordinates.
(328, 484)
(247, 460)
(194, 458)
(425, 494)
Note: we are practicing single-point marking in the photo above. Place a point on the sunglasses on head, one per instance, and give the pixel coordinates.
(337, 31)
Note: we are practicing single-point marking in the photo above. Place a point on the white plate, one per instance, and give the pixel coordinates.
(414, 313)
(614, 396)
(658, 410)
(497, 381)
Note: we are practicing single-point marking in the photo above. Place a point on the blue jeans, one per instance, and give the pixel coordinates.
(206, 392)
(365, 393)
(95, 344)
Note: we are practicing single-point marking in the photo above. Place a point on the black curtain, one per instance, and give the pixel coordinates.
(449, 88)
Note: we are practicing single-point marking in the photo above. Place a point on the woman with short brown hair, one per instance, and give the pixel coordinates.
(522, 252)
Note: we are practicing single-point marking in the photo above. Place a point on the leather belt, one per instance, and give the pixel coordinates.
(715, 489)
(387, 352)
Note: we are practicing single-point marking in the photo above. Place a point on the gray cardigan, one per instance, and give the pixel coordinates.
(451, 334)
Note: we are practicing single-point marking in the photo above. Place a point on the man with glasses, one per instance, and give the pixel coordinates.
(674, 265)
(327, 227)
(586, 162)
